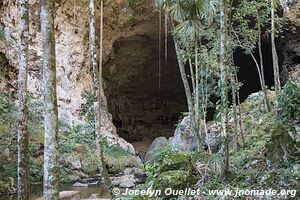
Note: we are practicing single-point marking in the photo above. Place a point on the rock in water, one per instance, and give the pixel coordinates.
(66, 195)
(125, 181)
(77, 184)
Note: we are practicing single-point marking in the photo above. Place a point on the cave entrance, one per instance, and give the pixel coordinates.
(248, 74)
(142, 112)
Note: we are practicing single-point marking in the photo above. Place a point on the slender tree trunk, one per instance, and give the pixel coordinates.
(166, 38)
(239, 108)
(23, 135)
(204, 106)
(234, 104)
(262, 74)
(259, 68)
(159, 48)
(101, 156)
(93, 57)
(196, 92)
(224, 100)
(274, 52)
(192, 75)
(184, 78)
(51, 153)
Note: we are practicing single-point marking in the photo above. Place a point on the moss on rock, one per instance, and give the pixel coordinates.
(282, 148)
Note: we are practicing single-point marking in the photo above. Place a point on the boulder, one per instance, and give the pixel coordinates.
(91, 181)
(125, 181)
(139, 174)
(184, 139)
(154, 147)
(75, 165)
(282, 148)
(214, 138)
(78, 184)
(66, 195)
(73, 178)
(73, 160)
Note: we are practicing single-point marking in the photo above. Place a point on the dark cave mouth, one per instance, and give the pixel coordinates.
(143, 112)
(248, 74)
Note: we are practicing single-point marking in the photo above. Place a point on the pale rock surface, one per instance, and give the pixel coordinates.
(67, 195)
(184, 138)
(72, 57)
(124, 181)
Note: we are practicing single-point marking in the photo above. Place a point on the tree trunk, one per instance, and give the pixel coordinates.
(234, 104)
(239, 108)
(262, 74)
(192, 75)
(224, 82)
(159, 48)
(196, 92)
(93, 57)
(104, 171)
(166, 38)
(274, 52)
(23, 135)
(184, 78)
(51, 153)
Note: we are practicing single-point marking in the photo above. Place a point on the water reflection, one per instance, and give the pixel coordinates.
(85, 192)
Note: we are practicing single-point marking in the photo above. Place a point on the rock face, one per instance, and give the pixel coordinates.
(72, 58)
(291, 43)
(183, 137)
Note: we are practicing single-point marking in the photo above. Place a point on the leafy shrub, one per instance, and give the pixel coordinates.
(288, 102)
(87, 108)
(175, 179)
(80, 134)
(172, 170)
(36, 169)
(177, 161)
(117, 159)
(90, 163)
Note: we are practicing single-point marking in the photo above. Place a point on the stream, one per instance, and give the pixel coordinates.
(85, 192)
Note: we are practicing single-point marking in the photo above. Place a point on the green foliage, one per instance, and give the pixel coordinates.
(87, 108)
(80, 134)
(288, 103)
(36, 169)
(118, 159)
(131, 19)
(175, 162)
(90, 162)
(159, 153)
(2, 34)
(132, 3)
(172, 170)
(175, 179)
(282, 148)
(8, 145)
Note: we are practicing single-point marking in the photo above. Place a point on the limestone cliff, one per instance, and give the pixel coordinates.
(73, 66)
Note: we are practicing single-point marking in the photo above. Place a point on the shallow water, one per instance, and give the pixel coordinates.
(85, 192)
